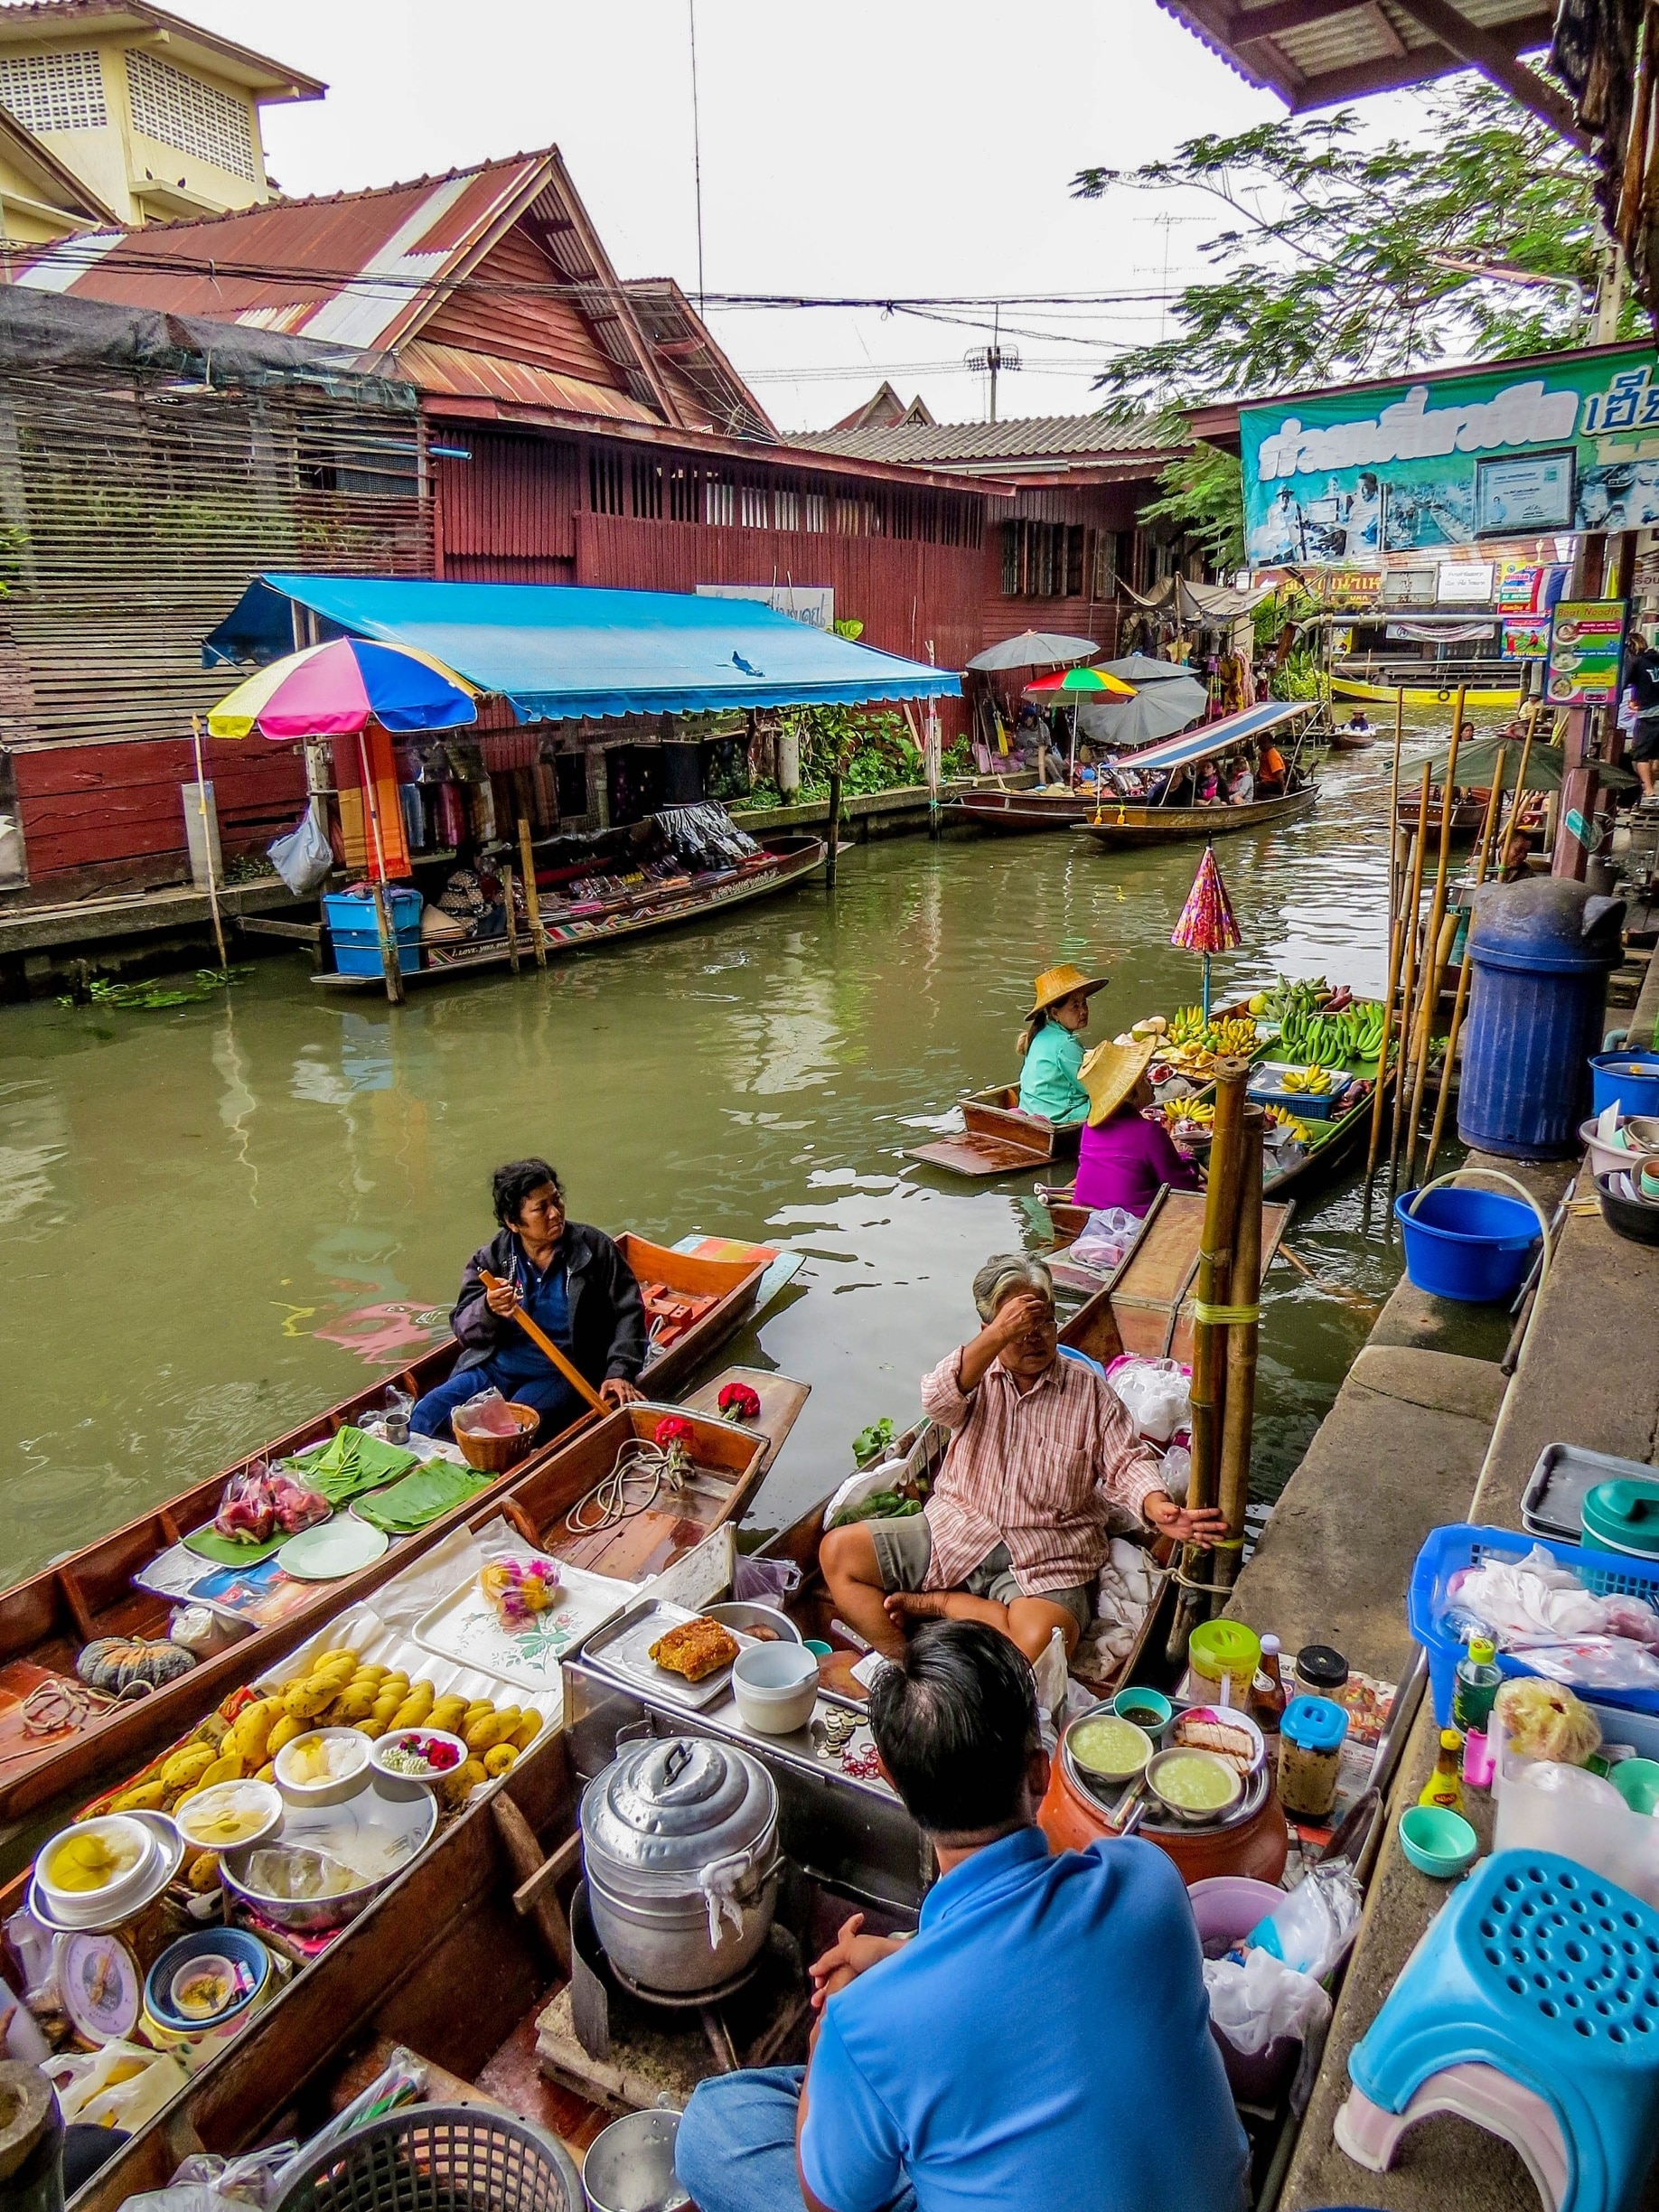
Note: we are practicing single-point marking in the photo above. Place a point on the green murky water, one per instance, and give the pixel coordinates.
(215, 1219)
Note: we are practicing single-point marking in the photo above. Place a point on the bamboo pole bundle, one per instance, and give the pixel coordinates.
(1488, 834)
(532, 897)
(1396, 874)
(1430, 981)
(1243, 1293)
(1408, 938)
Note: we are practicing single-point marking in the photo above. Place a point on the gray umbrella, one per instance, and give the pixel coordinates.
(1158, 709)
(1035, 649)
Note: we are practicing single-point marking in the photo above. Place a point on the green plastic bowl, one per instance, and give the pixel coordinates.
(1437, 1842)
(1637, 1780)
(1144, 1709)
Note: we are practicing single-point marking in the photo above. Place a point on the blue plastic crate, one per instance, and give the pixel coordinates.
(1463, 1544)
(357, 951)
(352, 912)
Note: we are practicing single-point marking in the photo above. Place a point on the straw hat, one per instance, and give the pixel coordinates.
(1057, 983)
(1109, 1074)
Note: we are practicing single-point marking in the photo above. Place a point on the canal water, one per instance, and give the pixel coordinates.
(215, 1218)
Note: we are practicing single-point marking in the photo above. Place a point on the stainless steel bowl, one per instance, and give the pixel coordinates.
(398, 1819)
(739, 1613)
(630, 2168)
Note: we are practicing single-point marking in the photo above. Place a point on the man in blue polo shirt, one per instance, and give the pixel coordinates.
(1042, 2044)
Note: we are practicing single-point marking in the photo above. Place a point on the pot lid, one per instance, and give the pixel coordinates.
(1624, 1516)
(670, 1808)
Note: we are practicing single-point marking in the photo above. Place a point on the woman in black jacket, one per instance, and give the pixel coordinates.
(570, 1279)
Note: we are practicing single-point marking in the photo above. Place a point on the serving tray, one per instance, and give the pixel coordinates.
(621, 1651)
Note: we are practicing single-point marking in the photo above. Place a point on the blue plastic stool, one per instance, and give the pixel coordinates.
(1530, 2006)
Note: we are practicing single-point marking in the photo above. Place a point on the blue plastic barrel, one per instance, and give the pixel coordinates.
(1541, 951)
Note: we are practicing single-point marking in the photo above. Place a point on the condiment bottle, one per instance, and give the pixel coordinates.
(1310, 1742)
(1443, 1786)
(1479, 1679)
(1321, 1670)
(1268, 1701)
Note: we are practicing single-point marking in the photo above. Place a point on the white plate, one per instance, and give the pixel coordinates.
(331, 1550)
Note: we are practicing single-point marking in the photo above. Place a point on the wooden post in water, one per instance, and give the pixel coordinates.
(1396, 873)
(1243, 1293)
(1432, 953)
(1489, 831)
(1408, 928)
(512, 919)
(1221, 1212)
(835, 825)
(532, 897)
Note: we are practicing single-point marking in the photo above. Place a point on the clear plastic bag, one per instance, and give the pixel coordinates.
(1312, 1924)
(486, 1414)
(764, 1581)
(303, 857)
(121, 2085)
(1157, 1394)
(1256, 2002)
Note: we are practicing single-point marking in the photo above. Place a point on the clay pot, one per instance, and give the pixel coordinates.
(1256, 1848)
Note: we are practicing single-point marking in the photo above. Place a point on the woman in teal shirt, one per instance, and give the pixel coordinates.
(1050, 1047)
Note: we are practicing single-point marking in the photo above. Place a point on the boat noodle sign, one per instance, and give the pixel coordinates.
(1410, 468)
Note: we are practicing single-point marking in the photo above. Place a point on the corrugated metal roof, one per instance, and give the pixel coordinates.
(462, 375)
(1323, 50)
(1058, 437)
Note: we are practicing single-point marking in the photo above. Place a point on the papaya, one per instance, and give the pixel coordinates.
(499, 1759)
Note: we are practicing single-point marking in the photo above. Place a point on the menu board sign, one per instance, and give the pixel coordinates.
(1587, 641)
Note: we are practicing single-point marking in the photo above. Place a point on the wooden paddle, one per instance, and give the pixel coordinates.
(545, 1344)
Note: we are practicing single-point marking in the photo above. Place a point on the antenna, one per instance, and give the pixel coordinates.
(697, 155)
(993, 359)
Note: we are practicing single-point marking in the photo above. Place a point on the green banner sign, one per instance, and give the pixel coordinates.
(1418, 468)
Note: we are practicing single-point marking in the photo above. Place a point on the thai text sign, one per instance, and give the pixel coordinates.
(1509, 453)
(1587, 639)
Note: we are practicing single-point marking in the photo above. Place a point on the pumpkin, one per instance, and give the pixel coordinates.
(116, 1665)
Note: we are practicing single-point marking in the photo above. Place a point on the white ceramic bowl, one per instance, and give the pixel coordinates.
(256, 1801)
(775, 1686)
(434, 1776)
(107, 1905)
(353, 1774)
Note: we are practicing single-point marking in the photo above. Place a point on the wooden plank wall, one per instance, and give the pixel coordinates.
(508, 514)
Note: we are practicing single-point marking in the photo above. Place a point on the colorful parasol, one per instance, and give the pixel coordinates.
(334, 690)
(1085, 680)
(1207, 923)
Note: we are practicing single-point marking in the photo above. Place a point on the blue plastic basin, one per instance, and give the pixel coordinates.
(1631, 1078)
(1466, 1244)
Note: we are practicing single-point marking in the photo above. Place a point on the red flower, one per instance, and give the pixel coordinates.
(739, 1401)
(674, 1429)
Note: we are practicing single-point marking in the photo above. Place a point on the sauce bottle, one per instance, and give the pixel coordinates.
(1268, 1699)
(1479, 1679)
(1444, 1786)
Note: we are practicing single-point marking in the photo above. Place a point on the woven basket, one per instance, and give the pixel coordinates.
(492, 1455)
(438, 2157)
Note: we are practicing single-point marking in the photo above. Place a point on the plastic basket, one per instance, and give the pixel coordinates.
(1463, 1544)
(461, 2158)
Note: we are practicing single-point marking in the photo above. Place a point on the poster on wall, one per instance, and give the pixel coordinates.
(812, 603)
(1526, 637)
(1427, 467)
(1587, 641)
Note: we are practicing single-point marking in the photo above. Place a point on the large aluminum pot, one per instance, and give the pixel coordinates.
(680, 1845)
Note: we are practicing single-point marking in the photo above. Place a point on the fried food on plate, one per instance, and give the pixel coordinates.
(696, 1649)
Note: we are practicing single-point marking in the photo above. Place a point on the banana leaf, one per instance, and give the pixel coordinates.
(351, 1463)
(420, 1498)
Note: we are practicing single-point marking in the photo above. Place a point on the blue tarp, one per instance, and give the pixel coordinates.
(559, 652)
(1212, 737)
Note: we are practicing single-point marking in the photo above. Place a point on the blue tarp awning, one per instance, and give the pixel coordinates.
(560, 652)
(1212, 737)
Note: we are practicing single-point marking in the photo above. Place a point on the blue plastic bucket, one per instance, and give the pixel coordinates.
(1467, 1244)
(1631, 1078)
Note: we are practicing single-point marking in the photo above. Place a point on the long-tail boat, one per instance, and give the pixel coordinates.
(1128, 819)
(47, 1618)
(999, 1137)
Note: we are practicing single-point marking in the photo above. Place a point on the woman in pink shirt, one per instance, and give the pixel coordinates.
(1122, 1159)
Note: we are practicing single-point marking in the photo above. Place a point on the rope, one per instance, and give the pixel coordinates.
(610, 1501)
(1224, 1316)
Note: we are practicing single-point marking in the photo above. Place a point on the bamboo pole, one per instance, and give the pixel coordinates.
(1396, 953)
(207, 843)
(512, 920)
(532, 897)
(1494, 807)
(1396, 892)
(1243, 1291)
(1396, 874)
(1526, 755)
(391, 957)
(1409, 928)
(1221, 1209)
(1429, 982)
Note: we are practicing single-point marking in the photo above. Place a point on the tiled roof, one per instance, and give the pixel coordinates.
(1061, 439)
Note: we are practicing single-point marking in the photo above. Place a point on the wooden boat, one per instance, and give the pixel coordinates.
(1425, 695)
(1023, 809)
(1000, 1137)
(1350, 741)
(1119, 825)
(1148, 1296)
(45, 1619)
(786, 861)
(1467, 815)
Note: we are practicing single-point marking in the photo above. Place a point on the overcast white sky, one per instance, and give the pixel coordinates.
(913, 147)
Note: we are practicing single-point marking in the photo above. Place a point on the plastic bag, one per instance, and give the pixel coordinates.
(1179, 1472)
(205, 2183)
(304, 857)
(1256, 2002)
(1104, 1238)
(486, 1414)
(260, 1502)
(764, 1581)
(1157, 1394)
(1312, 1924)
(1543, 1720)
(121, 2086)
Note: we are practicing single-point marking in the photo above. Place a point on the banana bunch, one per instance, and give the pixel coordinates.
(1321, 1040)
(1299, 1130)
(1187, 1027)
(1288, 998)
(1199, 1110)
(1233, 1032)
(1309, 1081)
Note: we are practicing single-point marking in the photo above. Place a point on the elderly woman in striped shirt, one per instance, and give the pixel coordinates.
(1042, 1451)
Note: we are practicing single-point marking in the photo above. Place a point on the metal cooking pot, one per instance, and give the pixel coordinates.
(679, 1847)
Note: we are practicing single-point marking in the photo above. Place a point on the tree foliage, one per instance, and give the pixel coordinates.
(1332, 261)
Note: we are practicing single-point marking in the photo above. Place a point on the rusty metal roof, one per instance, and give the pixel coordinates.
(453, 372)
(1049, 442)
(1314, 53)
(40, 20)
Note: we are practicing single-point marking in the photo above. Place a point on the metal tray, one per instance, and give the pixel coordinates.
(1553, 1502)
(619, 1650)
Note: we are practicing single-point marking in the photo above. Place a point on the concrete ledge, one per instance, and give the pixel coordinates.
(1434, 1381)
(902, 800)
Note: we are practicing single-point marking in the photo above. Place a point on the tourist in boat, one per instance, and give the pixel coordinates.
(570, 1279)
(1240, 784)
(963, 2065)
(1043, 1455)
(1357, 721)
(1209, 785)
(1123, 1158)
(1049, 1046)
(1271, 774)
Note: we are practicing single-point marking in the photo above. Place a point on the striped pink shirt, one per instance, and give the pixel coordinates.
(1039, 1473)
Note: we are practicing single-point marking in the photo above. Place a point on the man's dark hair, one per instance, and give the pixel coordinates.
(511, 1186)
(955, 1722)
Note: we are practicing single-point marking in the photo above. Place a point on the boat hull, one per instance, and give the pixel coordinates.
(998, 1137)
(1140, 825)
(796, 858)
(1424, 695)
(1023, 809)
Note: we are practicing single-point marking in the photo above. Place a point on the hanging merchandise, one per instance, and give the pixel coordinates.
(705, 836)
(370, 809)
(451, 815)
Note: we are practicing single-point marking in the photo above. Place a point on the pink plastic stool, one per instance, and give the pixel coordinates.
(1371, 2136)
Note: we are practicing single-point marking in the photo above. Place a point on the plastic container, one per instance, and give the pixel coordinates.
(1637, 1780)
(355, 932)
(1541, 951)
(1437, 1843)
(1226, 1908)
(1321, 1670)
(1627, 1080)
(1623, 1515)
(1478, 1681)
(1225, 1651)
(1590, 1824)
(1310, 1740)
(775, 1686)
(1469, 1245)
(1464, 1544)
